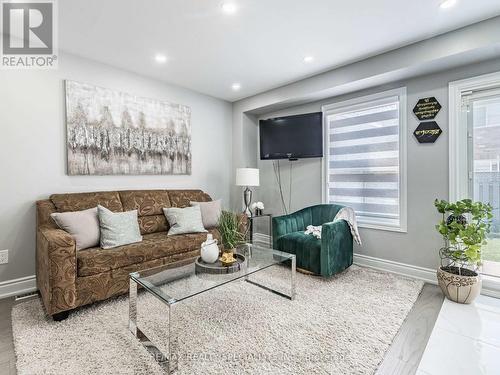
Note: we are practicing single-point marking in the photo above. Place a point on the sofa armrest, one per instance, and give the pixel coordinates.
(243, 224)
(336, 247)
(56, 269)
(279, 229)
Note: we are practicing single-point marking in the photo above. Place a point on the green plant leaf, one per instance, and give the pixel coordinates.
(464, 241)
(230, 228)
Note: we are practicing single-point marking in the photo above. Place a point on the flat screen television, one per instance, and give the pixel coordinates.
(292, 137)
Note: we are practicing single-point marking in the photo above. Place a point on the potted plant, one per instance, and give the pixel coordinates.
(464, 227)
(230, 228)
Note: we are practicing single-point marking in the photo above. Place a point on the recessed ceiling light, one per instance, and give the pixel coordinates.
(229, 8)
(236, 86)
(308, 59)
(447, 4)
(160, 58)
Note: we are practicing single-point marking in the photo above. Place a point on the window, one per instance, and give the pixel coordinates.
(365, 164)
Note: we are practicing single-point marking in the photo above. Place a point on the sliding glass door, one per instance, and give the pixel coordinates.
(483, 144)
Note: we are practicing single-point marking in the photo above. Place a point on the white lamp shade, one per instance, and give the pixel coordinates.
(247, 177)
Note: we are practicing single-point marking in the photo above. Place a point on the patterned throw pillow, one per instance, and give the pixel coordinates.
(118, 228)
(83, 226)
(210, 212)
(184, 220)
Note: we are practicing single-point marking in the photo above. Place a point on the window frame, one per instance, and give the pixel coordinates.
(359, 102)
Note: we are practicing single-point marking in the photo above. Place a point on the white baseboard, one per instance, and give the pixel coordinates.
(17, 287)
(491, 286)
(426, 274)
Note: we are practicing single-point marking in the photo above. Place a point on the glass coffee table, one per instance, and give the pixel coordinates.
(172, 285)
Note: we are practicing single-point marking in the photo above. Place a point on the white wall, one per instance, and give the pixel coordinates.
(437, 60)
(32, 147)
(427, 173)
(469, 45)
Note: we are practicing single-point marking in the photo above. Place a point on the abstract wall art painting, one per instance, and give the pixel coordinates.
(115, 133)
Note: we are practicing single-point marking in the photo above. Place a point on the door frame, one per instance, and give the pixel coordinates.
(457, 151)
(457, 155)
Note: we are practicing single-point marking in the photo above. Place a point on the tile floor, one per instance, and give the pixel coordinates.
(465, 340)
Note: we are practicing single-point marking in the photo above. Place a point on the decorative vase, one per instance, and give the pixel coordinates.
(459, 288)
(258, 212)
(209, 250)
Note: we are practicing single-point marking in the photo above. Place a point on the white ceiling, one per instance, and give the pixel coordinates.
(261, 46)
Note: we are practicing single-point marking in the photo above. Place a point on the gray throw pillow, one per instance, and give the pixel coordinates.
(184, 220)
(83, 226)
(210, 212)
(118, 228)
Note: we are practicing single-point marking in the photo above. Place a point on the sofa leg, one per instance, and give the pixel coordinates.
(60, 316)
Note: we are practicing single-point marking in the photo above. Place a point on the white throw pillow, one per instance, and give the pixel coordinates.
(83, 226)
(184, 220)
(210, 212)
(118, 228)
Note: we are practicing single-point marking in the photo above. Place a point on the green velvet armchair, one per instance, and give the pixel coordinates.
(326, 256)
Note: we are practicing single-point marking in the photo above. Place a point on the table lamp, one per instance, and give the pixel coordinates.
(247, 177)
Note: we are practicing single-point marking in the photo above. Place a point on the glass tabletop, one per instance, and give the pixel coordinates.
(173, 283)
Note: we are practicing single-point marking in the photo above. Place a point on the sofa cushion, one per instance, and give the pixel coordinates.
(146, 202)
(182, 198)
(149, 204)
(84, 201)
(153, 224)
(153, 246)
(115, 282)
(306, 247)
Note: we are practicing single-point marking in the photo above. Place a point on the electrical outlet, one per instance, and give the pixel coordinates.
(4, 256)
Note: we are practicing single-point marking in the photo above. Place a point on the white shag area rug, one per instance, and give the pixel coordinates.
(342, 325)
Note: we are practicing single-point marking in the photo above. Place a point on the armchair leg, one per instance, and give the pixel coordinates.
(60, 316)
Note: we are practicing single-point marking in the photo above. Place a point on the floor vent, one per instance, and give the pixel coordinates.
(26, 295)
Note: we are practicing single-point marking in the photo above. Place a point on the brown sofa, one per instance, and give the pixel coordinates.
(67, 278)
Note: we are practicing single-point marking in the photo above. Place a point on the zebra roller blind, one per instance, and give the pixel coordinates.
(363, 150)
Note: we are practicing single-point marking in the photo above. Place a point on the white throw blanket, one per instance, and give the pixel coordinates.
(347, 214)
